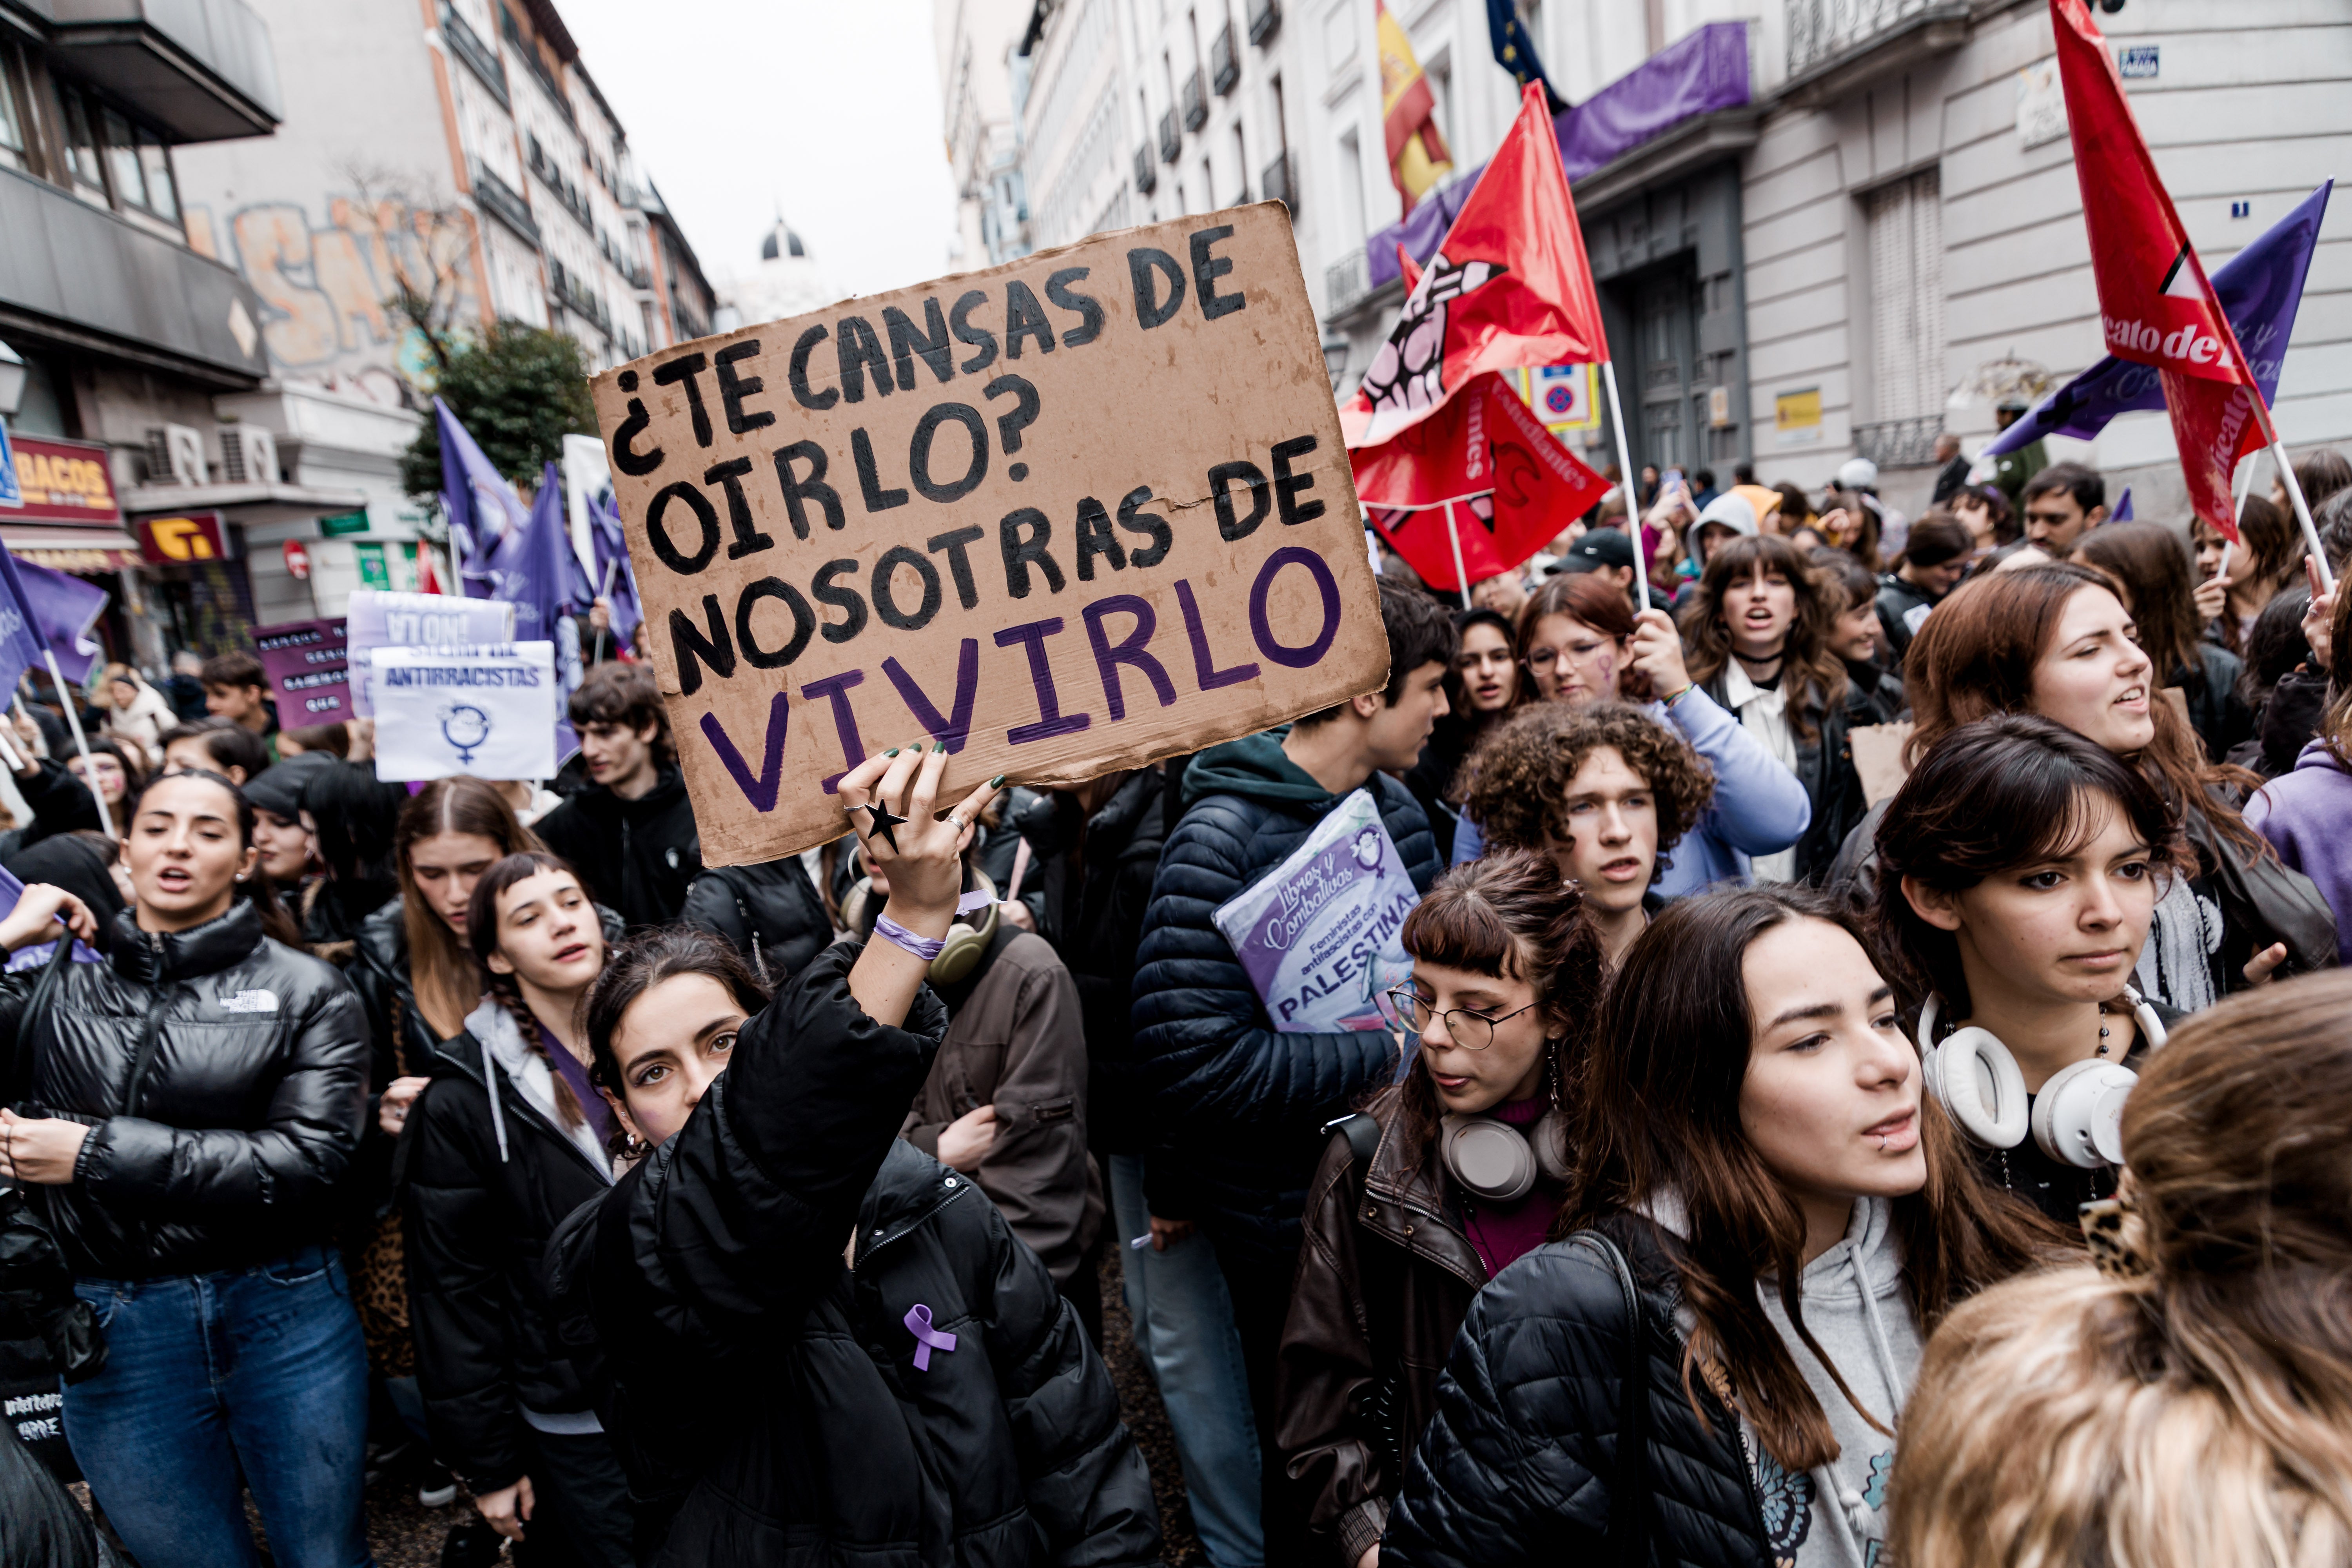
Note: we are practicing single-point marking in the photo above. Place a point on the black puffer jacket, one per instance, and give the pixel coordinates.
(769, 913)
(638, 855)
(1521, 1464)
(59, 802)
(224, 1078)
(764, 1399)
(1239, 1104)
(480, 1196)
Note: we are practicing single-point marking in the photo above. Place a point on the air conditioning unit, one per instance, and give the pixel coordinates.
(249, 456)
(175, 456)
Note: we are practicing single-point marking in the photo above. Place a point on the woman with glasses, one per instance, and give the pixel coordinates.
(1445, 1179)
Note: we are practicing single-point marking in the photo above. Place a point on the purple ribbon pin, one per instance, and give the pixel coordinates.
(926, 1338)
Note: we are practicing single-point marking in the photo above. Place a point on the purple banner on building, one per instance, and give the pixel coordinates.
(1697, 74)
(304, 662)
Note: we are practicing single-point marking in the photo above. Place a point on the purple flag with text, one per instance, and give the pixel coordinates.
(20, 634)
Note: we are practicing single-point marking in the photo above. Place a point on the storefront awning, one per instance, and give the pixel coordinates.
(70, 549)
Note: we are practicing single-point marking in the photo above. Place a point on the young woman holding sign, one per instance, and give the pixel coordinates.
(825, 1343)
(1445, 1180)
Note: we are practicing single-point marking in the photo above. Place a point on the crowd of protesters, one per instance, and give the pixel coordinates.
(1746, 1108)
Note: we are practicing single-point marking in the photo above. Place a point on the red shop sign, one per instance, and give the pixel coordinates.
(64, 481)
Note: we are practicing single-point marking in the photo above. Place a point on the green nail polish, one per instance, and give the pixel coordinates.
(941, 748)
(891, 752)
(996, 783)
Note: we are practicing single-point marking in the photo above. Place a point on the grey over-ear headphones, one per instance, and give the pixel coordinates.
(966, 941)
(2077, 1119)
(1498, 1162)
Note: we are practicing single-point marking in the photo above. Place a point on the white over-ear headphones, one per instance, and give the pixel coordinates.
(1496, 1160)
(2077, 1119)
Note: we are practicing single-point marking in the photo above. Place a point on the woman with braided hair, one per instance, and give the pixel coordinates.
(508, 1139)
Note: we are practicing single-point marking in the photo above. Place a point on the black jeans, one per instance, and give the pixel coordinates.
(580, 1515)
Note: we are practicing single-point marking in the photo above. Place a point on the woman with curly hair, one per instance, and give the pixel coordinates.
(1581, 644)
(1446, 1178)
(1605, 792)
(1758, 632)
(2186, 1400)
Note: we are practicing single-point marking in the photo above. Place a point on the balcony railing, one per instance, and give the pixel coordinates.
(1171, 139)
(1275, 184)
(1344, 282)
(480, 59)
(504, 203)
(1820, 29)
(1196, 101)
(1146, 172)
(1265, 19)
(1900, 443)
(1224, 61)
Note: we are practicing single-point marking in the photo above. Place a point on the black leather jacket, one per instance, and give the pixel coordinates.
(225, 1080)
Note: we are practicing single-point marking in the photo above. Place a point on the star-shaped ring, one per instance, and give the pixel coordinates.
(879, 821)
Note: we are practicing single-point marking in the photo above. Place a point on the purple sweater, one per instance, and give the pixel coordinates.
(2305, 814)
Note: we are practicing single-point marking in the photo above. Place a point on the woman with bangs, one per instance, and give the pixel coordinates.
(1443, 1181)
(1759, 631)
(1580, 643)
(2020, 866)
(1767, 1221)
(2053, 640)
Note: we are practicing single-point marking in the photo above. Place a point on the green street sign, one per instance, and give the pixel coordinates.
(342, 523)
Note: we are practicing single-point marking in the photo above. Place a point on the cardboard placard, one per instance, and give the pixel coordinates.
(380, 618)
(305, 664)
(1878, 758)
(1070, 514)
(488, 711)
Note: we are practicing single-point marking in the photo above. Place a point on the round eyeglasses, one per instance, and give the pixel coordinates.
(1471, 1031)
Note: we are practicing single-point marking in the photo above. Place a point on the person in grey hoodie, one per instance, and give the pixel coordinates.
(1768, 1220)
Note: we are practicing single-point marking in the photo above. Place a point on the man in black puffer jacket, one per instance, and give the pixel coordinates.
(1238, 1105)
(631, 833)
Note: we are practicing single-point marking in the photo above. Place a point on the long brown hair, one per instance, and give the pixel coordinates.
(442, 971)
(1510, 916)
(2148, 563)
(1659, 1114)
(2195, 1405)
(1813, 677)
(1976, 656)
(482, 936)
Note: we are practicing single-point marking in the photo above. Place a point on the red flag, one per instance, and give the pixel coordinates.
(1509, 286)
(2156, 306)
(1486, 444)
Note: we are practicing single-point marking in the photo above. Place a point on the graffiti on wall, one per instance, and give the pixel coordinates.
(325, 285)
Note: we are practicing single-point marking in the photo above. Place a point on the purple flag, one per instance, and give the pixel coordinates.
(20, 637)
(2122, 512)
(537, 571)
(613, 567)
(483, 510)
(63, 609)
(2261, 289)
(11, 889)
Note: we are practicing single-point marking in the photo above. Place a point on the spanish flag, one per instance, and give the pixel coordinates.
(1418, 157)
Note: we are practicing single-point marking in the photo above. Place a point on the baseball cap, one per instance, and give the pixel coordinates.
(1600, 547)
(1857, 473)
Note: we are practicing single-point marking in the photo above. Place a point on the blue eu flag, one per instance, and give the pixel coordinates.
(1515, 52)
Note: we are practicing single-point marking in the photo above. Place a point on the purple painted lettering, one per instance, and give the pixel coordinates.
(760, 791)
(1109, 655)
(1050, 719)
(1310, 653)
(835, 688)
(1205, 664)
(951, 732)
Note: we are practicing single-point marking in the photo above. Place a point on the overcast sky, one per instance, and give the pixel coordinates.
(827, 109)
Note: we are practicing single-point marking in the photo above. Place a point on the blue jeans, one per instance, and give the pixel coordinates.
(259, 1370)
(1184, 1326)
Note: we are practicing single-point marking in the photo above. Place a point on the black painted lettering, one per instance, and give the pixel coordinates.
(706, 517)
(959, 563)
(1150, 310)
(1221, 478)
(830, 592)
(748, 539)
(1151, 525)
(625, 456)
(799, 492)
(1025, 409)
(929, 345)
(870, 475)
(1095, 538)
(1288, 485)
(1025, 318)
(683, 370)
(886, 606)
(1022, 550)
(690, 651)
(860, 350)
(1207, 268)
(798, 374)
(969, 331)
(733, 389)
(803, 623)
(919, 453)
(1090, 308)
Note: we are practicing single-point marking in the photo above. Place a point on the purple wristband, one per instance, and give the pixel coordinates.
(890, 931)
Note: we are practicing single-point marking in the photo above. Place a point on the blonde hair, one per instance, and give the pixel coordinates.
(2199, 1414)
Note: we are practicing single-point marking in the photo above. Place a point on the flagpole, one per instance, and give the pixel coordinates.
(89, 768)
(1461, 577)
(1625, 473)
(610, 567)
(2294, 485)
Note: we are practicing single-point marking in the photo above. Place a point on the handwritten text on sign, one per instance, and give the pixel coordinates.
(1067, 515)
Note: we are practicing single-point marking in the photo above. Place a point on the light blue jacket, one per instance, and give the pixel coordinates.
(1759, 806)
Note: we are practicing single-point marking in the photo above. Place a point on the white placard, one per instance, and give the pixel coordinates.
(379, 619)
(485, 711)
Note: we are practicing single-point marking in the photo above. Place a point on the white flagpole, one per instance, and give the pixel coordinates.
(89, 768)
(610, 567)
(1454, 534)
(2295, 492)
(1632, 498)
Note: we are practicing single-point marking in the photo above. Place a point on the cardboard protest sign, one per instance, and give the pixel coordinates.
(304, 662)
(489, 711)
(1320, 937)
(378, 618)
(1070, 514)
(1878, 758)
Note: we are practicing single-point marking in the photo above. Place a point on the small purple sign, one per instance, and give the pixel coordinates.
(304, 662)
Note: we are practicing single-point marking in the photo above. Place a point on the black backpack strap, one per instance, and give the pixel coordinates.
(1629, 1490)
(1363, 1135)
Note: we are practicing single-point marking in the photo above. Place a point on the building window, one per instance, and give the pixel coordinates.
(155, 164)
(1906, 278)
(124, 173)
(13, 151)
(81, 144)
